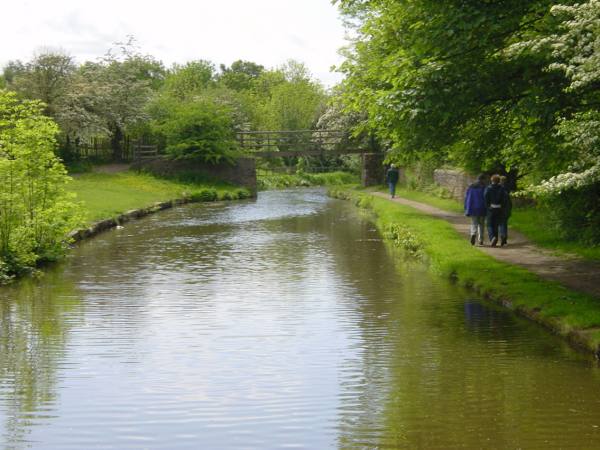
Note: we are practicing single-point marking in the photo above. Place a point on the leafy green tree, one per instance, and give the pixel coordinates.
(435, 80)
(36, 212)
(122, 84)
(291, 100)
(197, 129)
(107, 97)
(241, 75)
(571, 194)
(46, 77)
(52, 77)
(572, 52)
(183, 81)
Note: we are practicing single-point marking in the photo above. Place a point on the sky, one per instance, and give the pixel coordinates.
(268, 32)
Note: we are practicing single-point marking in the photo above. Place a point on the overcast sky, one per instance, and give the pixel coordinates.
(264, 31)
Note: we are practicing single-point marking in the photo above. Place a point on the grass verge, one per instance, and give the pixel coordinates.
(534, 223)
(107, 195)
(270, 181)
(573, 315)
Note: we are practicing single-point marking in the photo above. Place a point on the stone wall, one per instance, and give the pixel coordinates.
(243, 173)
(454, 181)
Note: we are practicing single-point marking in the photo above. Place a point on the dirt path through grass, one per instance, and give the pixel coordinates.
(571, 271)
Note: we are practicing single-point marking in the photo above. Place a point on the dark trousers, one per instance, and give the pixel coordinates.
(503, 228)
(494, 220)
(392, 186)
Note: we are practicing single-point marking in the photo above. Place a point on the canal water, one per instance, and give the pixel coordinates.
(280, 323)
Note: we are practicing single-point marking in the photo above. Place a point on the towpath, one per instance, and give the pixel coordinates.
(571, 271)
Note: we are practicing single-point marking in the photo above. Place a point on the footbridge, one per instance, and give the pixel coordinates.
(319, 143)
(274, 144)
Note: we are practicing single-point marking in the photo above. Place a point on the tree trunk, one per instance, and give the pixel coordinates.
(512, 176)
(116, 143)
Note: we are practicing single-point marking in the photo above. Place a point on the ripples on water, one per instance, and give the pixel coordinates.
(280, 323)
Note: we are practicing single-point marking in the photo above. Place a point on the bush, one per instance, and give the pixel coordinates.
(200, 130)
(576, 212)
(204, 195)
(36, 212)
(278, 181)
(571, 200)
(243, 193)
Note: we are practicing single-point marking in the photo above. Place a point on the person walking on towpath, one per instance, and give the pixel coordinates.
(391, 178)
(496, 203)
(475, 208)
(503, 228)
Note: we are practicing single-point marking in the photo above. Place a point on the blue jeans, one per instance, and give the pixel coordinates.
(392, 188)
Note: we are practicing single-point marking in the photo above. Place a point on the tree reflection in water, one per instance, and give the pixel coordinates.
(33, 333)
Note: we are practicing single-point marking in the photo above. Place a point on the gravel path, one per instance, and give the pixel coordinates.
(571, 271)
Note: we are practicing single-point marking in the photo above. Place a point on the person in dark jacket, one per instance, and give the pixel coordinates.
(475, 208)
(496, 203)
(503, 227)
(391, 178)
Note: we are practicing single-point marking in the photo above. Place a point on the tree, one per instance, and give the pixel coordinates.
(183, 81)
(571, 194)
(241, 75)
(122, 83)
(435, 80)
(36, 212)
(573, 52)
(107, 97)
(291, 99)
(46, 77)
(50, 77)
(196, 129)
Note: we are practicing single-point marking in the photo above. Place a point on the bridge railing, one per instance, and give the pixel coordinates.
(295, 143)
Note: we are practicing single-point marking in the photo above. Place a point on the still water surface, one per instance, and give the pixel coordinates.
(280, 323)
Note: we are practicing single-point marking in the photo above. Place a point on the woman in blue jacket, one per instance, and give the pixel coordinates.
(475, 208)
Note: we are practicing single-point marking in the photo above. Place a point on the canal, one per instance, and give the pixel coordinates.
(284, 322)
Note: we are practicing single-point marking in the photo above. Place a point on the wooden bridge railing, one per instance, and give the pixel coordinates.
(296, 143)
(144, 152)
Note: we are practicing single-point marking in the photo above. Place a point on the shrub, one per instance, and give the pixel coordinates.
(204, 195)
(571, 201)
(576, 212)
(278, 181)
(201, 130)
(36, 212)
(243, 193)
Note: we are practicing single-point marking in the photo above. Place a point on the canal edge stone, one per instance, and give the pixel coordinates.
(96, 228)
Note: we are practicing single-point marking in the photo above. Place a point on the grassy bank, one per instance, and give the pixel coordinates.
(531, 221)
(105, 195)
(268, 181)
(573, 315)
